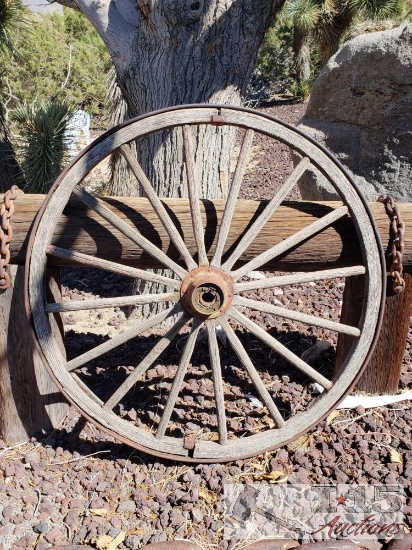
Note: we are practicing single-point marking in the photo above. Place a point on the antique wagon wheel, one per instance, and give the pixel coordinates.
(207, 292)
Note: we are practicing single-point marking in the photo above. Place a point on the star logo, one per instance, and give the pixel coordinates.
(341, 500)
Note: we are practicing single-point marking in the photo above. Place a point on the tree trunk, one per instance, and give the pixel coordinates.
(121, 179)
(301, 53)
(10, 173)
(333, 32)
(191, 51)
(174, 52)
(328, 48)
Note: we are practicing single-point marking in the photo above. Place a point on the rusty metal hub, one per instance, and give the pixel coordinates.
(207, 292)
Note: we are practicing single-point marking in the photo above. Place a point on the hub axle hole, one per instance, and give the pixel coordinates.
(208, 297)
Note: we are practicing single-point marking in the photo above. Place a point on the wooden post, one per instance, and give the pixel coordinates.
(383, 370)
(30, 402)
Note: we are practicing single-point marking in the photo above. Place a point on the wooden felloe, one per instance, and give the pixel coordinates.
(224, 240)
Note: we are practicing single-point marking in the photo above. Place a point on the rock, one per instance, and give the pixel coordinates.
(401, 544)
(330, 545)
(172, 545)
(176, 518)
(41, 527)
(313, 353)
(127, 506)
(197, 515)
(132, 542)
(53, 535)
(8, 512)
(159, 537)
(359, 109)
(272, 544)
(369, 544)
(26, 542)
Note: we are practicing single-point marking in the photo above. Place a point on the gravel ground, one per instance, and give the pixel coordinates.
(77, 485)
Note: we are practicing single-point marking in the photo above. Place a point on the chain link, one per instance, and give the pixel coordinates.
(398, 233)
(6, 232)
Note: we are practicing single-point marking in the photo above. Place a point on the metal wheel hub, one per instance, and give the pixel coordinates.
(207, 292)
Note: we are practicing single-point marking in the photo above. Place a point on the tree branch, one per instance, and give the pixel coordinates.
(115, 22)
(66, 3)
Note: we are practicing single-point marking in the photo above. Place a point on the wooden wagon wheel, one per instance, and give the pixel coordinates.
(207, 292)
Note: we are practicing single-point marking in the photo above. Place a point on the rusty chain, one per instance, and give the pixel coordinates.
(398, 232)
(6, 232)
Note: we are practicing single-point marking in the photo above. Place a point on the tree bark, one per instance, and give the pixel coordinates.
(121, 179)
(301, 53)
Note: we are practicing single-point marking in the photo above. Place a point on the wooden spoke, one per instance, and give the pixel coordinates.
(233, 195)
(178, 379)
(194, 195)
(280, 348)
(120, 339)
(98, 263)
(290, 242)
(157, 350)
(132, 233)
(217, 380)
(268, 212)
(299, 278)
(111, 302)
(158, 206)
(252, 372)
(296, 316)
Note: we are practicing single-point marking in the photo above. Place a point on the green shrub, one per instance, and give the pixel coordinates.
(61, 57)
(41, 145)
(275, 58)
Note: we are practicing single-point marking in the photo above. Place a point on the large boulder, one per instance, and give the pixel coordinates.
(360, 108)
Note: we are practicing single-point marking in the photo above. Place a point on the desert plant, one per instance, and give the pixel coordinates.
(42, 144)
(61, 57)
(11, 21)
(327, 21)
(274, 65)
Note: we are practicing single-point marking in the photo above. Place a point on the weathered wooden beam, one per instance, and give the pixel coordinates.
(384, 367)
(30, 402)
(82, 230)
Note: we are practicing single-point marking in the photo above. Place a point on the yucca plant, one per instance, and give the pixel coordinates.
(42, 142)
(326, 21)
(305, 15)
(11, 18)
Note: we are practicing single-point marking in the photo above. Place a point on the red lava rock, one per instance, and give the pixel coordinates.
(176, 518)
(172, 545)
(53, 535)
(330, 545)
(273, 544)
(369, 545)
(25, 542)
(8, 512)
(401, 544)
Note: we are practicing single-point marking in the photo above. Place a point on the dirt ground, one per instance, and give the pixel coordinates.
(78, 485)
